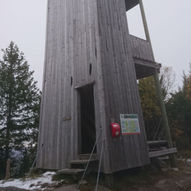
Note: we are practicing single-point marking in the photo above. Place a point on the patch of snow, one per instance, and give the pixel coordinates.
(29, 183)
(16, 154)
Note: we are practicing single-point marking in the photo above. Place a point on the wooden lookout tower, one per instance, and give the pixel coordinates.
(92, 65)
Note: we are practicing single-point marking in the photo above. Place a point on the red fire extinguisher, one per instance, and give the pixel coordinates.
(115, 130)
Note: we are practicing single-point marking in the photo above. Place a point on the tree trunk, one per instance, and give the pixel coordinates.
(9, 107)
(7, 143)
(8, 170)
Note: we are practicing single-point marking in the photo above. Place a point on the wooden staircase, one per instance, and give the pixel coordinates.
(78, 167)
(160, 148)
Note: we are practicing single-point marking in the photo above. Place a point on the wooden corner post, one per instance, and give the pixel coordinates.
(158, 88)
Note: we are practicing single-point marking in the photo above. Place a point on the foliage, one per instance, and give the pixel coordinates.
(179, 112)
(150, 106)
(19, 103)
(149, 101)
(167, 78)
(178, 105)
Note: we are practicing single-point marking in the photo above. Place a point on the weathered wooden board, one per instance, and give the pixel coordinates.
(141, 48)
(160, 153)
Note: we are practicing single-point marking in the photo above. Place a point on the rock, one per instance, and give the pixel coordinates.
(179, 185)
(175, 169)
(162, 182)
(188, 160)
(83, 182)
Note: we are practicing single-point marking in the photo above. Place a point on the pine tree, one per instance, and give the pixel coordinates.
(19, 102)
(179, 111)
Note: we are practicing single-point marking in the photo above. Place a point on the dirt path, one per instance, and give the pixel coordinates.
(170, 180)
(67, 188)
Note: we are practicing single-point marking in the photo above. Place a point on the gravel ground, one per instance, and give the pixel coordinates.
(166, 180)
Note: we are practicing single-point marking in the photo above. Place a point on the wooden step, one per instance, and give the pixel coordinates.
(82, 161)
(157, 143)
(71, 175)
(81, 164)
(70, 171)
(87, 156)
(159, 153)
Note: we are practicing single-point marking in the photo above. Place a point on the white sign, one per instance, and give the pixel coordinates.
(130, 124)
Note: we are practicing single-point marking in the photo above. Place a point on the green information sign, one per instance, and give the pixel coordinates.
(129, 124)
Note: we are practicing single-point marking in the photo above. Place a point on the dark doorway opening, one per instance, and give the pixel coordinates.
(87, 119)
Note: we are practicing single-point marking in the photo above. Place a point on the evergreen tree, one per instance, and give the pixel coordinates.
(179, 112)
(19, 103)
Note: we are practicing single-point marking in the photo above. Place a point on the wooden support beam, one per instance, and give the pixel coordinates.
(145, 68)
(147, 63)
(164, 152)
(161, 142)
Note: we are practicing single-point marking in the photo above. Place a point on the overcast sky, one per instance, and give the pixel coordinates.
(24, 22)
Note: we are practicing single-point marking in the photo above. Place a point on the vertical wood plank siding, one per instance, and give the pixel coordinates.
(81, 33)
(72, 45)
(120, 85)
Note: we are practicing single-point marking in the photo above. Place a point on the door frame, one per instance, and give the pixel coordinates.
(79, 113)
